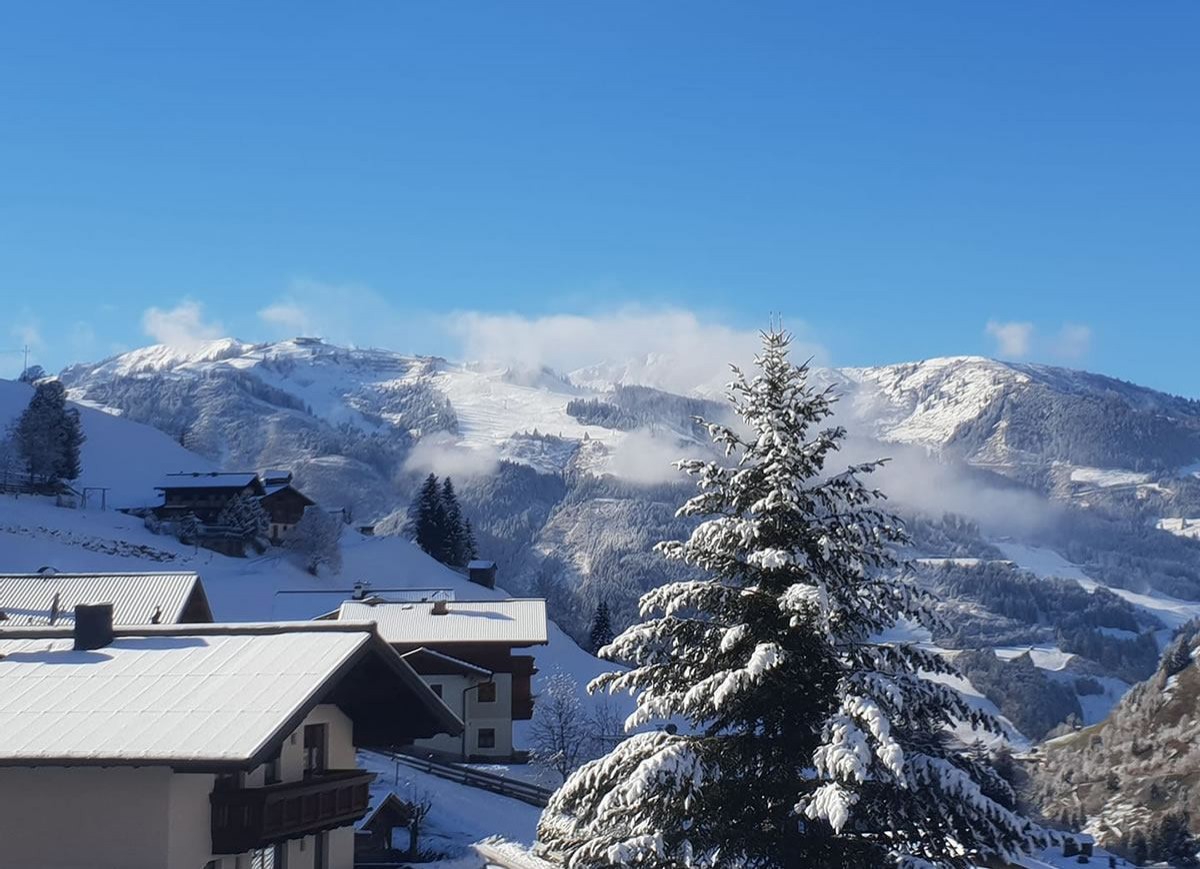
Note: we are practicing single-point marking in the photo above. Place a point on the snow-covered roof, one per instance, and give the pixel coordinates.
(28, 598)
(439, 660)
(518, 622)
(199, 696)
(208, 480)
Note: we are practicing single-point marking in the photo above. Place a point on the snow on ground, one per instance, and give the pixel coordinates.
(1106, 477)
(976, 700)
(1048, 563)
(460, 815)
(1047, 657)
(490, 408)
(1189, 527)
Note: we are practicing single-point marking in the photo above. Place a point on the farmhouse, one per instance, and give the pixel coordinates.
(49, 598)
(464, 650)
(204, 494)
(190, 746)
(283, 502)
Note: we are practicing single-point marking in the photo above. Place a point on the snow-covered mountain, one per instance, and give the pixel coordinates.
(567, 480)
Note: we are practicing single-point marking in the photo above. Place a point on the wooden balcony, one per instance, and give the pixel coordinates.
(248, 818)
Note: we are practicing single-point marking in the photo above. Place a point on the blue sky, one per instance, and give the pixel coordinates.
(900, 180)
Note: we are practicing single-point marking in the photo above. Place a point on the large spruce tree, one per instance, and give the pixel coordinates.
(804, 740)
(49, 434)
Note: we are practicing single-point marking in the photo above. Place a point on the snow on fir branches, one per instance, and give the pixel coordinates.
(803, 740)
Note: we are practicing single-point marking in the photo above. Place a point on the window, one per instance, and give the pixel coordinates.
(273, 769)
(274, 857)
(487, 737)
(436, 689)
(315, 740)
(487, 692)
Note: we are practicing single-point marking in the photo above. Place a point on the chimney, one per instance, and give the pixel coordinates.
(360, 590)
(93, 626)
(441, 607)
(482, 572)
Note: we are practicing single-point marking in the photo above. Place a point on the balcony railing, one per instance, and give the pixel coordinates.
(248, 818)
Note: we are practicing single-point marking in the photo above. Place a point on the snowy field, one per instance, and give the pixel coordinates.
(1107, 477)
(1189, 527)
(1048, 563)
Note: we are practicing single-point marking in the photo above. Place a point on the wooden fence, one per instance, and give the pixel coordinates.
(535, 795)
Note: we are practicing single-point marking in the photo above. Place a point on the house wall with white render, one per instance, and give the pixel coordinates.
(96, 808)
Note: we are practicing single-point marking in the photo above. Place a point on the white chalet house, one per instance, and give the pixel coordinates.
(465, 651)
(203, 746)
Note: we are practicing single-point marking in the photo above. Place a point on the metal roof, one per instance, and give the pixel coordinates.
(443, 660)
(193, 696)
(520, 622)
(28, 598)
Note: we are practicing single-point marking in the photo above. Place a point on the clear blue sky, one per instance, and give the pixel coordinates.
(892, 175)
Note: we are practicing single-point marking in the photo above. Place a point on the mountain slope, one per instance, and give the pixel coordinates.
(1125, 775)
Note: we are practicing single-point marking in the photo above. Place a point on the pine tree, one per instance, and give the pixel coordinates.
(458, 545)
(809, 743)
(49, 435)
(70, 465)
(428, 519)
(602, 632)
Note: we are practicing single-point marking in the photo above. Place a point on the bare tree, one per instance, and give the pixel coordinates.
(316, 541)
(561, 733)
(418, 809)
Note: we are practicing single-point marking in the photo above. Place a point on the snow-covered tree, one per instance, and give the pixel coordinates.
(189, 528)
(427, 518)
(805, 741)
(245, 514)
(602, 633)
(49, 434)
(32, 374)
(316, 541)
(560, 731)
(458, 543)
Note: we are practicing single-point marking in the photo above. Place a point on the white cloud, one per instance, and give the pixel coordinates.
(1019, 340)
(1073, 341)
(1013, 340)
(182, 327)
(346, 314)
(644, 457)
(670, 348)
(439, 454)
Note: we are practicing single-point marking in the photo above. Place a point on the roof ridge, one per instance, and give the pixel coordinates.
(200, 629)
(67, 574)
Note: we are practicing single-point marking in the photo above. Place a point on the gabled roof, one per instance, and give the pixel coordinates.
(430, 663)
(202, 697)
(268, 491)
(137, 598)
(390, 802)
(210, 480)
(514, 622)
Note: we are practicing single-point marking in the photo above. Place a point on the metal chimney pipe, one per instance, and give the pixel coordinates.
(93, 626)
